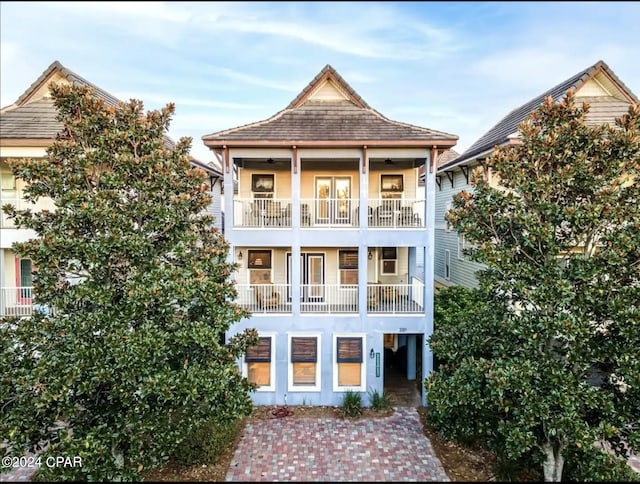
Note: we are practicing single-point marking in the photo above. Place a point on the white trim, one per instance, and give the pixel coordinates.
(272, 365)
(461, 246)
(363, 366)
(447, 264)
(304, 388)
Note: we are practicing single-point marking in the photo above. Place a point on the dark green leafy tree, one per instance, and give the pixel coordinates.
(551, 364)
(130, 356)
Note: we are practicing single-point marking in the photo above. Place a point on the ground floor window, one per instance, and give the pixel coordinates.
(349, 368)
(304, 364)
(259, 363)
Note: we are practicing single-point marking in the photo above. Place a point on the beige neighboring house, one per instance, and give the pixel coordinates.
(609, 98)
(27, 128)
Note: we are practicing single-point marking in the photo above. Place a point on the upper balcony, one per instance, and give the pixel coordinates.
(328, 212)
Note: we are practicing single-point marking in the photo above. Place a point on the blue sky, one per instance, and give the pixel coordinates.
(457, 67)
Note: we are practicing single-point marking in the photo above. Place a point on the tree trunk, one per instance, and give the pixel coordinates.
(554, 463)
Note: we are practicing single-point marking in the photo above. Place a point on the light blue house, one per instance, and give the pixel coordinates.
(326, 225)
(597, 85)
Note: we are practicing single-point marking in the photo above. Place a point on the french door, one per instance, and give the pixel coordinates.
(333, 200)
(311, 276)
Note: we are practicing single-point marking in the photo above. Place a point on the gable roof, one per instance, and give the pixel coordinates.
(603, 109)
(328, 112)
(32, 118)
(33, 115)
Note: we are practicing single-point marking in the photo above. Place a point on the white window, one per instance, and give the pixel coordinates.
(389, 261)
(447, 264)
(304, 362)
(348, 266)
(349, 362)
(259, 363)
(8, 179)
(461, 246)
(259, 266)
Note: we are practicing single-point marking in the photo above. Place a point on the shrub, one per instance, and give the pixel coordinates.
(379, 401)
(207, 443)
(594, 465)
(352, 404)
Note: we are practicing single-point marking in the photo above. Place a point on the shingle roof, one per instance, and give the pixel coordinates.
(601, 111)
(308, 119)
(36, 119)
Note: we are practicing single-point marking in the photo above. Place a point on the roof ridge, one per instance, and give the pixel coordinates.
(518, 114)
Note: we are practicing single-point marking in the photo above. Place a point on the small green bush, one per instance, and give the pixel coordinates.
(379, 401)
(595, 465)
(352, 404)
(207, 443)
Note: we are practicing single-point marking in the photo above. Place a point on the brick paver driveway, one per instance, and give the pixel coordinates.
(308, 449)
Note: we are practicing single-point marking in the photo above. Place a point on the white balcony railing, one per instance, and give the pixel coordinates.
(329, 298)
(265, 298)
(20, 204)
(16, 301)
(396, 213)
(395, 298)
(262, 212)
(329, 212)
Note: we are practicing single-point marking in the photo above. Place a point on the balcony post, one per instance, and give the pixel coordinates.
(2, 290)
(295, 188)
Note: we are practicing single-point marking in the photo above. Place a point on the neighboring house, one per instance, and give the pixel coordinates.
(326, 225)
(597, 85)
(27, 128)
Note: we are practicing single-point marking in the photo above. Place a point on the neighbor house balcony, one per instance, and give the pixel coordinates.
(9, 197)
(272, 213)
(16, 301)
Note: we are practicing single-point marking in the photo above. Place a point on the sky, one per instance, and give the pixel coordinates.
(457, 67)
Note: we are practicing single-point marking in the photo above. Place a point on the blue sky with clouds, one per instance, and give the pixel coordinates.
(457, 67)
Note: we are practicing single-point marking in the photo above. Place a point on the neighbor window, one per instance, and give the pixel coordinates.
(447, 264)
(304, 367)
(259, 364)
(348, 266)
(349, 368)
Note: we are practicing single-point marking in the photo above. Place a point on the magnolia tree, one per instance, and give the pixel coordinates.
(130, 355)
(550, 366)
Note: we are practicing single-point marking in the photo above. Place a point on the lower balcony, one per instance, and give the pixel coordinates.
(332, 298)
(16, 301)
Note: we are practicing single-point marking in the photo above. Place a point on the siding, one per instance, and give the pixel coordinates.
(462, 272)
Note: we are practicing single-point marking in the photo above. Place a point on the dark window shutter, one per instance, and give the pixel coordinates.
(304, 350)
(348, 259)
(389, 253)
(259, 353)
(349, 350)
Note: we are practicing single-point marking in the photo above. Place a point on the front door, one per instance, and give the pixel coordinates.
(311, 276)
(333, 200)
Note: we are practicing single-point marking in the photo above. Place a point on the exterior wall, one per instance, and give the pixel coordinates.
(370, 326)
(215, 207)
(461, 271)
(8, 233)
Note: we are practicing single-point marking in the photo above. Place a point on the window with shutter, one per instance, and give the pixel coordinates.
(348, 266)
(259, 362)
(349, 361)
(304, 358)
